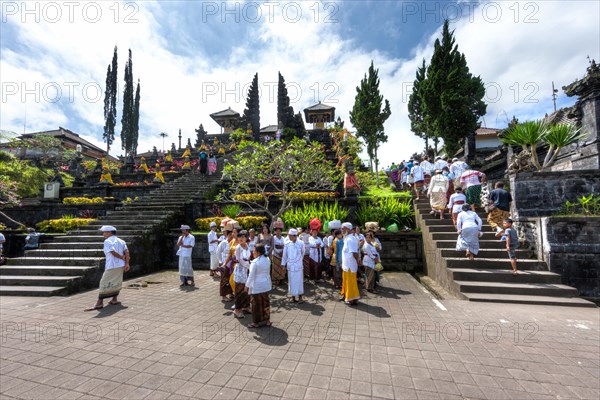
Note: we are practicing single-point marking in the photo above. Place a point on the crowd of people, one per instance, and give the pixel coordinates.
(249, 265)
(457, 187)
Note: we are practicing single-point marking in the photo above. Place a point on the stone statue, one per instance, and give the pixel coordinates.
(351, 186)
(520, 162)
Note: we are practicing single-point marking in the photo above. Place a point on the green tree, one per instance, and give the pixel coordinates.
(531, 135)
(110, 103)
(415, 106)
(136, 120)
(368, 116)
(131, 111)
(286, 167)
(452, 96)
(252, 111)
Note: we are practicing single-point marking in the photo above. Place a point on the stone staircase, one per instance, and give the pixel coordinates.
(489, 277)
(75, 261)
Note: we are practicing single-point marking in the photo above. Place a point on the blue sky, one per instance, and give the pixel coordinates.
(194, 58)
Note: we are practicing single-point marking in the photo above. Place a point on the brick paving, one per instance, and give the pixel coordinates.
(165, 343)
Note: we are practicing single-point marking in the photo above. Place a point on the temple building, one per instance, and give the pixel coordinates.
(227, 119)
(319, 115)
(68, 139)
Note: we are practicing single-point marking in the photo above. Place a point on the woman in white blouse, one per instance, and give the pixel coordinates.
(258, 287)
(370, 258)
(240, 275)
(315, 245)
(468, 225)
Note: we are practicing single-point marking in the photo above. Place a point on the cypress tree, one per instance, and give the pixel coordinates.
(110, 103)
(368, 117)
(136, 120)
(452, 96)
(127, 119)
(415, 106)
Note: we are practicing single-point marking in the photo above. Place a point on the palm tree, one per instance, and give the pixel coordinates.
(531, 134)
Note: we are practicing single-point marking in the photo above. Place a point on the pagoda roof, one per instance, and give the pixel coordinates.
(319, 107)
(269, 129)
(228, 113)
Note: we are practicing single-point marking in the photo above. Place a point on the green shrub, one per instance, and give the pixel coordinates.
(82, 200)
(62, 225)
(231, 210)
(247, 222)
(324, 211)
(386, 211)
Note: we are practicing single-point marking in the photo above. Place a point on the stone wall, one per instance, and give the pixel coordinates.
(542, 194)
(31, 215)
(571, 247)
(401, 251)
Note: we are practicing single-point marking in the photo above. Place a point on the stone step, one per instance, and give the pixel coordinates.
(71, 245)
(45, 270)
(128, 214)
(427, 216)
(483, 244)
(451, 229)
(125, 232)
(157, 207)
(495, 263)
(32, 280)
(97, 238)
(453, 236)
(500, 275)
(490, 253)
(67, 252)
(58, 261)
(42, 291)
(138, 225)
(527, 289)
(525, 299)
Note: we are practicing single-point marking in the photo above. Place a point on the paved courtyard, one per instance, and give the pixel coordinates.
(167, 343)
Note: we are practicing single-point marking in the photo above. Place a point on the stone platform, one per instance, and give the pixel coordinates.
(168, 343)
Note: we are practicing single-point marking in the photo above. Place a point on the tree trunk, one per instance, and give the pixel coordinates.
(376, 170)
(9, 219)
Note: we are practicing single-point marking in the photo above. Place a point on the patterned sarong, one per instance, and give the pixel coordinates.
(261, 307)
(473, 195)
(306, 266)
(277, 273)
(314, 269)
(468, 240)
(427, 179)
(438, 200)
(496, 216)
(371, 278)
(242, 300)
(111, 283)
(224, 286)
(419, 186)
(186, 272)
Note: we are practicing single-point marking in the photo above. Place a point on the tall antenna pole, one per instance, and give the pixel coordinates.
(554, 95)
(25, 119)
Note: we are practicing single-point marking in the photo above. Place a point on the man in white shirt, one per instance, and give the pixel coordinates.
(186, 244)
(440, 163)
(117, 262)
(350, 263)
(418, 174)
(292, 260)
(213, 242)
(456, 169)
(428, 171)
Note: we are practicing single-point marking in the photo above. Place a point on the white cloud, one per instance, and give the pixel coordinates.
(312, 56)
